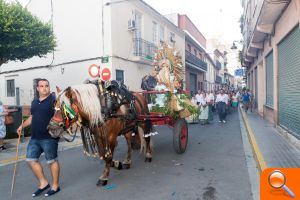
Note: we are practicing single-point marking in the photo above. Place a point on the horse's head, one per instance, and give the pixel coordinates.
(74, 104)
(66, 113)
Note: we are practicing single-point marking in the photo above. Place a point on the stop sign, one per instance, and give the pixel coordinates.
(105, 74)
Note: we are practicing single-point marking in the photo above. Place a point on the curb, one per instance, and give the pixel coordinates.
(256, 150)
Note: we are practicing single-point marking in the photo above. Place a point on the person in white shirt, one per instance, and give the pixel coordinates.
(210, 100)
(222, 101)
(199, 96)
(203, 117)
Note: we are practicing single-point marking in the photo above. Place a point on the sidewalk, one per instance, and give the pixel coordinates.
(270, 147)
(8, 156)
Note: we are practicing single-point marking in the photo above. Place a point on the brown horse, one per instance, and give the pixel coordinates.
(81, 105)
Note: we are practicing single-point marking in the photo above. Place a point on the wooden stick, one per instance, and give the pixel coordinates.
(15, 167)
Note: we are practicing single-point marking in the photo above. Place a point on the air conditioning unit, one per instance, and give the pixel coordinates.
(131, 25)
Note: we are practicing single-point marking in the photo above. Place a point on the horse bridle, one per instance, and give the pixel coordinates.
(70, 116)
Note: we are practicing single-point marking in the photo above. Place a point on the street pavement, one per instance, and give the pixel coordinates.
(212, 168)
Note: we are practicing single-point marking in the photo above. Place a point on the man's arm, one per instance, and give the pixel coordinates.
(26, 123)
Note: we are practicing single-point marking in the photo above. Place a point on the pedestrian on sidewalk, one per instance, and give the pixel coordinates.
(246, 98)
(222, 101)
(41, 141)
(3, 113)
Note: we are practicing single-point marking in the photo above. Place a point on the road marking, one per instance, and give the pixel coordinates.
(12, 159)
(258, 155)
(23, 156)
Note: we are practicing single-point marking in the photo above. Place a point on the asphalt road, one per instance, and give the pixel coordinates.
(212, 168)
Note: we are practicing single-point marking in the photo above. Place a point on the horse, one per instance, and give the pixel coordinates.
(82, 105)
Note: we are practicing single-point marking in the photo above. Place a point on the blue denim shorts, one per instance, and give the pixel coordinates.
(36, 147)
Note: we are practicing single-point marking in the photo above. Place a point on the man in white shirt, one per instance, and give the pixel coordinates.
(199, 97)
(222, 101)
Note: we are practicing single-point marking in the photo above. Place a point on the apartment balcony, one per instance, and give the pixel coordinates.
(218, 79)
(195, 61)
(261, 23)
(143, 50)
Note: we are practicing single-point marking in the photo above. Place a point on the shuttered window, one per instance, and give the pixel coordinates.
(269, 80)
(10, 88)
(289, 82)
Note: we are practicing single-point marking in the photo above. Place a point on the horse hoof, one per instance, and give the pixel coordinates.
(120, 166)
(148, 159)
(126, 166)
(101, 182)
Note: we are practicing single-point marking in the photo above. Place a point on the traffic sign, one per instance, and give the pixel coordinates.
(105, 59)
(105, 74)
(239, 72)
(94, 71)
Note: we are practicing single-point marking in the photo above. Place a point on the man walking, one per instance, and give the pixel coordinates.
(222, 101)
(246, 98)
(41, 141)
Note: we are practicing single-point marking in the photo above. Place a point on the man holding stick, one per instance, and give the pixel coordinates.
(41, 141)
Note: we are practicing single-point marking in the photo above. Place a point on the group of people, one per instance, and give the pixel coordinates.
(221, 101)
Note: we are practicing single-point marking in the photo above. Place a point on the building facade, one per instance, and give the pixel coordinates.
(271, 55)
(125, 45)
(195, 59)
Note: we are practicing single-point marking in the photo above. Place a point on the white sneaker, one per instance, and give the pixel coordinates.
(224, 121)
(220, 121)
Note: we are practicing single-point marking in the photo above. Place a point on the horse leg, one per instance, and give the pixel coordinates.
(148, 149)
(127, 162)
(146, 144)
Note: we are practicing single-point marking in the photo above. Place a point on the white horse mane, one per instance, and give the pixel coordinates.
(87, 95)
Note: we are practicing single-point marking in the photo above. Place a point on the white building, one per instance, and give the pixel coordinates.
(132, 30)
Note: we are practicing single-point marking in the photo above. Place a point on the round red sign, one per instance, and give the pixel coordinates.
(94, 70)
(105, 74)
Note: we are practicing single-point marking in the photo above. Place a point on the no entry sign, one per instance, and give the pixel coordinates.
(105, 74)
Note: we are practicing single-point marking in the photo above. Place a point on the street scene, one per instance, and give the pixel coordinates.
(148, 99)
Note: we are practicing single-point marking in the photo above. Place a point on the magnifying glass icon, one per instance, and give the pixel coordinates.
(277, 180)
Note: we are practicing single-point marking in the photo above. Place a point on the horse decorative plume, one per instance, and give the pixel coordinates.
(83, 105)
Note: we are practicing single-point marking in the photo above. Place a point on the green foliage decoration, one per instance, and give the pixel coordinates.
(23, 35)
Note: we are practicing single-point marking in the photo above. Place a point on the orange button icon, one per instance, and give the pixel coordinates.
(280, 184)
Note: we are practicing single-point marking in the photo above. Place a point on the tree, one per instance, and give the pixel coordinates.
(23, 35)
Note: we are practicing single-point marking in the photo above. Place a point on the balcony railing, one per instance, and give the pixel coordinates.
(189, 57)
(143, 48)
(218, 79)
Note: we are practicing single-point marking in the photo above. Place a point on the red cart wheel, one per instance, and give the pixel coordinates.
(180, 135)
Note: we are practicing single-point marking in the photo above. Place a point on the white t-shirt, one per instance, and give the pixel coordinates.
(199, 97)
(222, 98)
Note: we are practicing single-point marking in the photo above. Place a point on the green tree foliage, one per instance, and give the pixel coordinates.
(23, 35)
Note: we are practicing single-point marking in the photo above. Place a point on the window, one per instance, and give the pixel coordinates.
(120, 75)
(138, 24)
(161, 33)
(10, 88)
(154, 33)
(172, 37)
(189, 48)
(195, 52)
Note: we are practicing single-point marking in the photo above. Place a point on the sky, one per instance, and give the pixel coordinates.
(214, 18)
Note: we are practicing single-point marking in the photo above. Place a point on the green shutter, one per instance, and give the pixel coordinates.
(269, 81)
(289, 82)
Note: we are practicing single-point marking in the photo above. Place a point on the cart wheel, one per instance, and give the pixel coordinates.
(180, 135)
